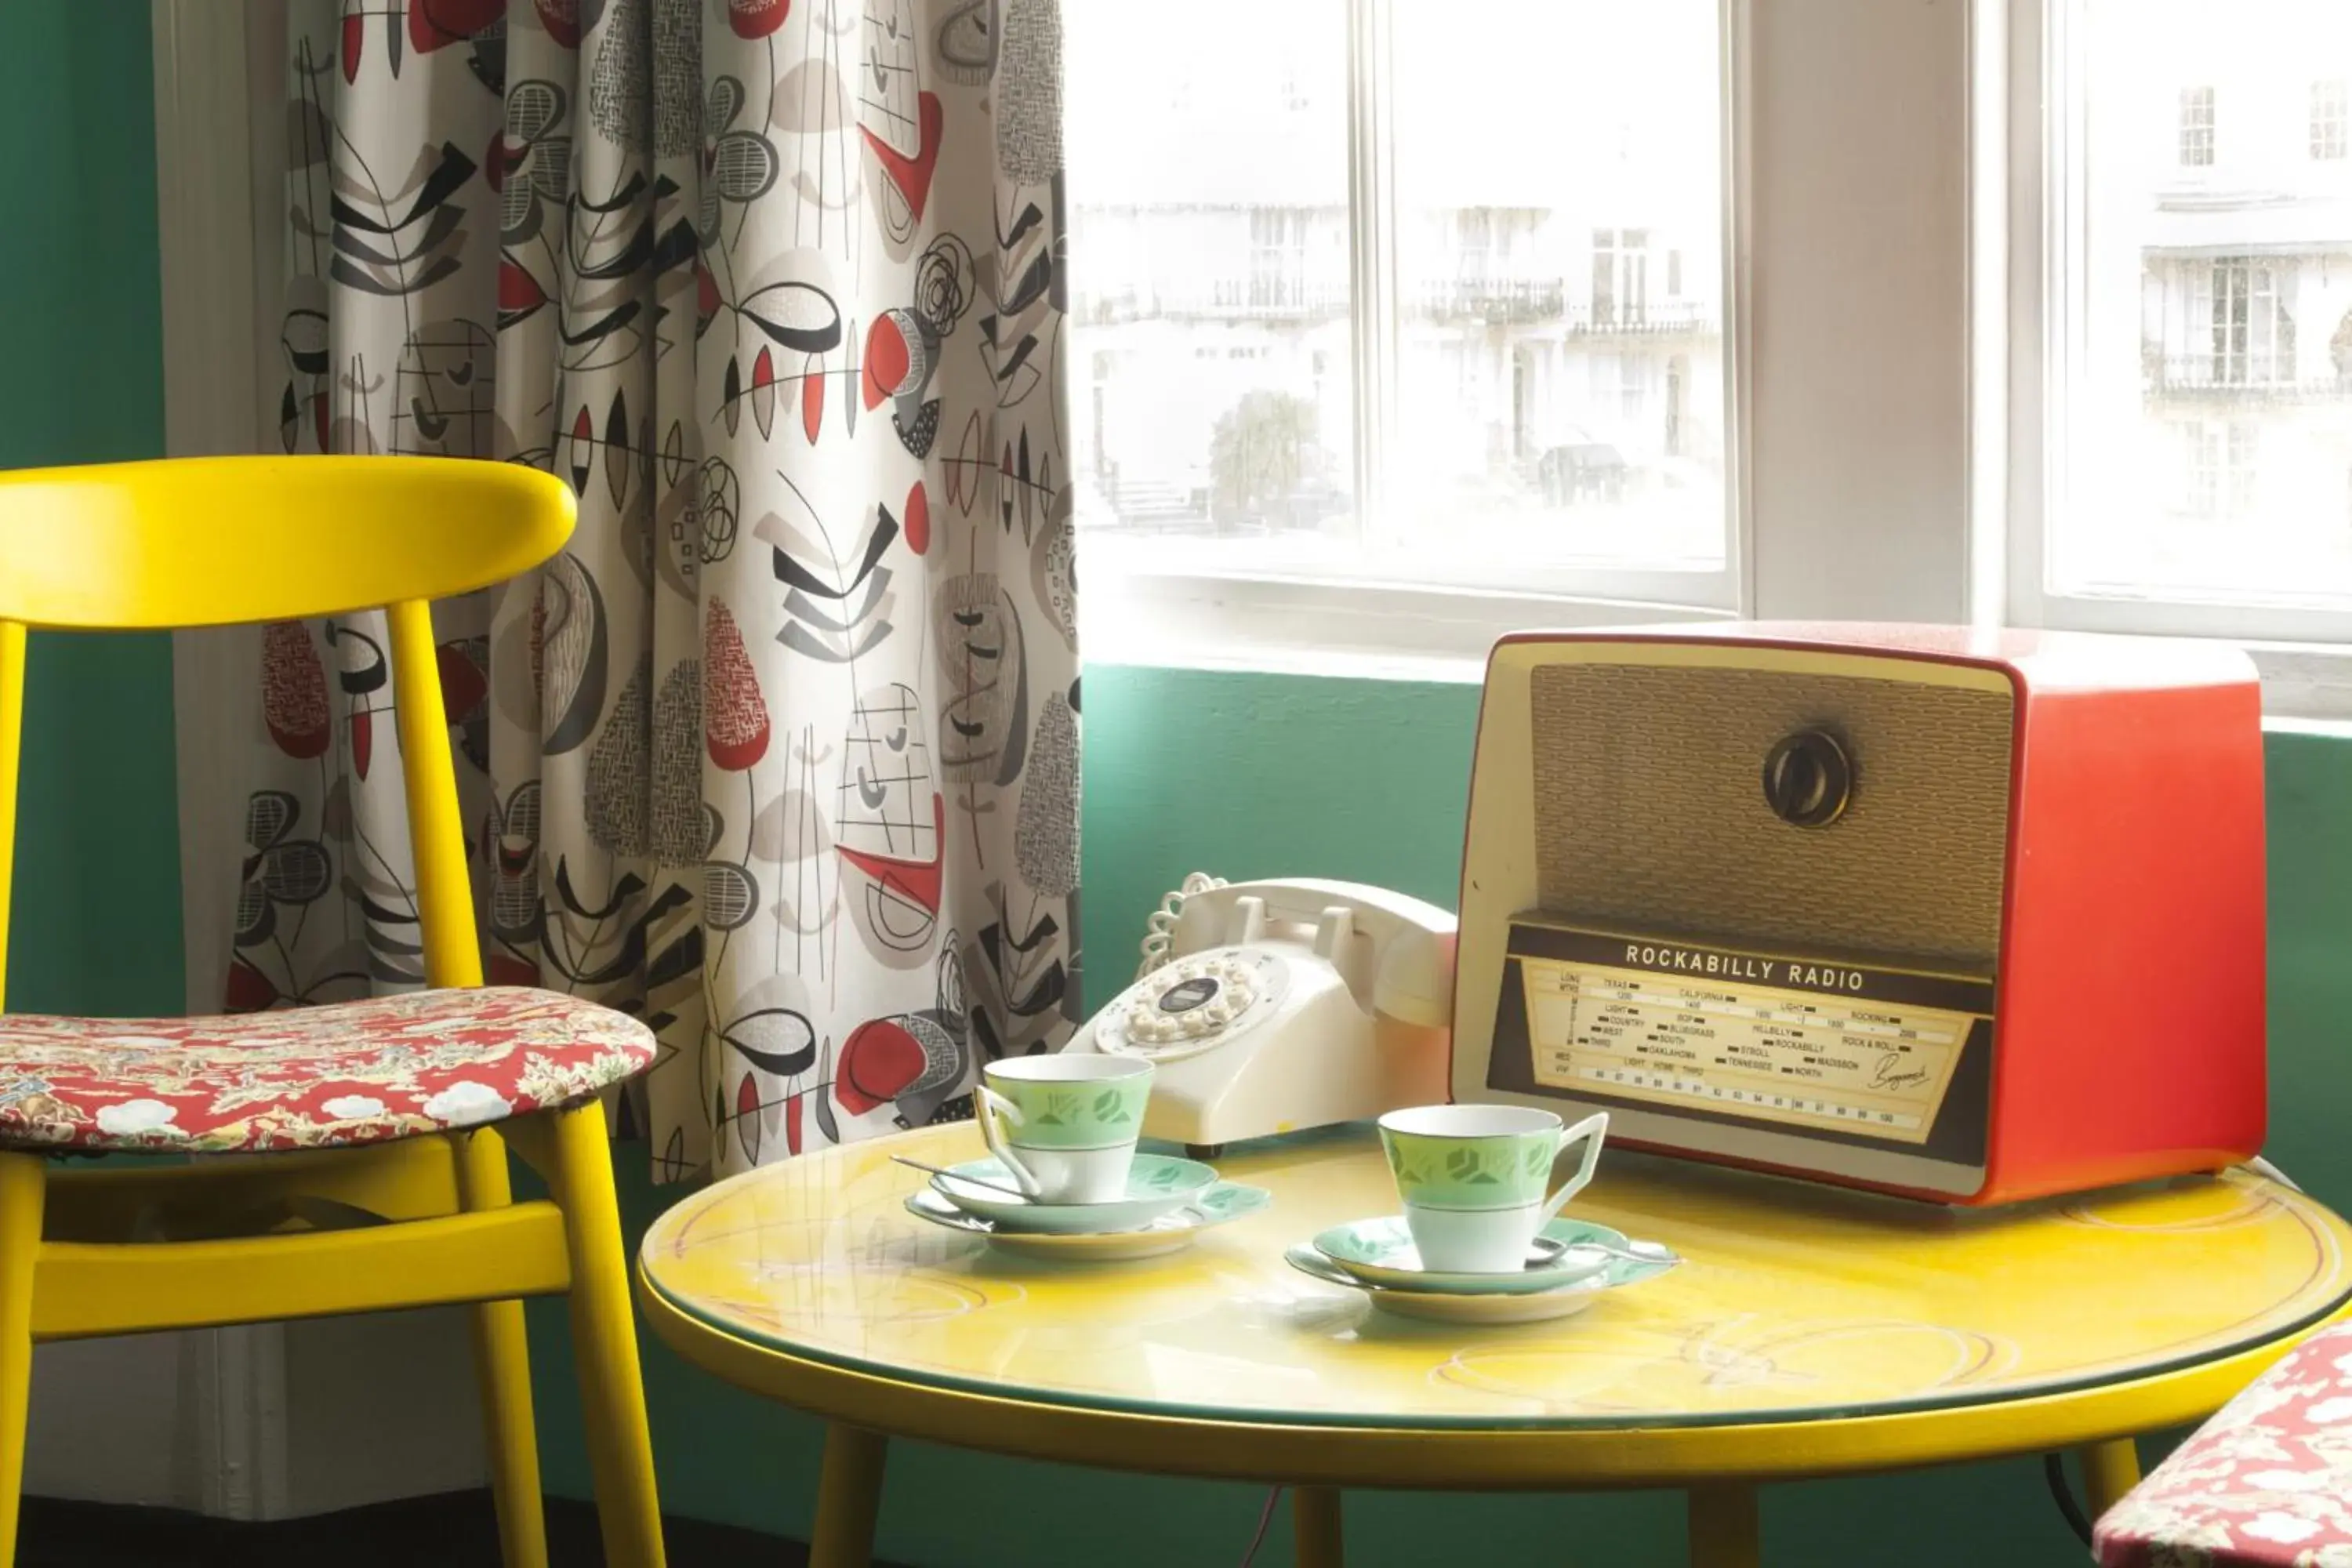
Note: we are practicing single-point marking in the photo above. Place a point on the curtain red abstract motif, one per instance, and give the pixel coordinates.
(782, 752)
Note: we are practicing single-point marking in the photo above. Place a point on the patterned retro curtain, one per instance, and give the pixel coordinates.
(782, 752)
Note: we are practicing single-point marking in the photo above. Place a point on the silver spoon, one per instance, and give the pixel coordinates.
(960, 1177)
(1543, 1251)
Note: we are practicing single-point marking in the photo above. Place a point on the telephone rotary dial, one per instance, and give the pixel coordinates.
(1194, 1004)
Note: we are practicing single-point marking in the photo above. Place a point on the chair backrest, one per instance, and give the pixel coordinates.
(206, 541)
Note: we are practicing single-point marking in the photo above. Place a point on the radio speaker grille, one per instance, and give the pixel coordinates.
(1650, 814)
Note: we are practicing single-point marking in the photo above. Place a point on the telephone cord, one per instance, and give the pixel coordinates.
(1160, 930)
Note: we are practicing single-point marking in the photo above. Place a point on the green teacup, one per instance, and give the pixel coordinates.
(1064, 1125)
(1473, 1178)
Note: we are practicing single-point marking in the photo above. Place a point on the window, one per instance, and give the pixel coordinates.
(1282, 280)
(2327, 119)
(1624, 379)
(2218, 468)
(1441, 264)
(1677, 403)
(1621, 278)
(1474, 235)
(2233, 311)
(2199, 334)
(1499, 355)
(2196, 126)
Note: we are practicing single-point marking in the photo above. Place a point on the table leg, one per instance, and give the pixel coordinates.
(1315, 1526)
(1723, 1529)
(2109, 1470)
(848, 1496)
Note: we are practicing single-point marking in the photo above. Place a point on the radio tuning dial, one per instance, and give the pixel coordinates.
(1808, 779)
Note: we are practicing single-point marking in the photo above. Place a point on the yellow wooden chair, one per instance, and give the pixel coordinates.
(308, 1127)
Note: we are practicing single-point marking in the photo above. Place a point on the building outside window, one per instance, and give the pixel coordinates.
(1457, 383)
(2221, 367)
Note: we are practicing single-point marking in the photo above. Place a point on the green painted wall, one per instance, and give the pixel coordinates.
(97, 916)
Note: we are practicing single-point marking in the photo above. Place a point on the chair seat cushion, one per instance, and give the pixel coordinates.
(308, 1078)
(2267, 1482)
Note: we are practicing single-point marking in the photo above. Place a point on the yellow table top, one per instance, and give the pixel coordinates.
(1796, 1302)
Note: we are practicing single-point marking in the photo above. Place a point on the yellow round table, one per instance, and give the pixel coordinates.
(1809, 1333)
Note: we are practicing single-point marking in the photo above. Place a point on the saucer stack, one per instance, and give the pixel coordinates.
(1169, 1202)
(1570, 1263)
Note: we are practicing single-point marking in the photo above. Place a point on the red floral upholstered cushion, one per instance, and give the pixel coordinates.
(2268, 1481)
(350, 1072)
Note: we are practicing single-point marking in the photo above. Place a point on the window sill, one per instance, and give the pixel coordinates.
(2306, 686)
(1393, 631)
(1363, 630)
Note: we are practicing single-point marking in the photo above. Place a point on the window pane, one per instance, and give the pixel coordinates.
(2195, 125)
(1559, 398)
(2328, 118)
(1211, 390)
(2202, 429)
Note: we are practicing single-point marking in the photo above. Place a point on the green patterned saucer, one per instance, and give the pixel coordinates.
(1156, 1184)
(1218, 1204)
(1436, 1307)
(1381, 1252)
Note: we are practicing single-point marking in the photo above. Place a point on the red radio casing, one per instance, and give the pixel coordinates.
(2128, 1034)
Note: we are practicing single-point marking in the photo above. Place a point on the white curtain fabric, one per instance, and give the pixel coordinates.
(782, 752)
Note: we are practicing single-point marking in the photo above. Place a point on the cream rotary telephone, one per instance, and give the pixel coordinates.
(1268, 1007)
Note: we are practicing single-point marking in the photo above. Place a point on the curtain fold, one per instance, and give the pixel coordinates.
(782, 752)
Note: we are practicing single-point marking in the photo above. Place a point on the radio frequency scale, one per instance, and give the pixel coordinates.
(1839, 1049)
(1825, 1046)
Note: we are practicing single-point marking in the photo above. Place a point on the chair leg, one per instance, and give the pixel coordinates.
(502, 1367)
(604, 1342)
(21, 1179)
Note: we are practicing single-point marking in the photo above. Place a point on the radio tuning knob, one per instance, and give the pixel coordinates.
(1808, 779)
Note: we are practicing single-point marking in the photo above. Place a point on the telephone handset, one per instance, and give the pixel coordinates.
(1272, 1007)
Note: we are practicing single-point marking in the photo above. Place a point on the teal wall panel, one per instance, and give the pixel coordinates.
(97, 894)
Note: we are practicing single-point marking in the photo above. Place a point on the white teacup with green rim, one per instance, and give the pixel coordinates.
(1066, 1125)
(1473, 1179)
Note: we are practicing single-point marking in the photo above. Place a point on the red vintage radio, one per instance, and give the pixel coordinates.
(1972, 917)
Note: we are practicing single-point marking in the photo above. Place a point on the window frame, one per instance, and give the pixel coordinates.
(1277, 619)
